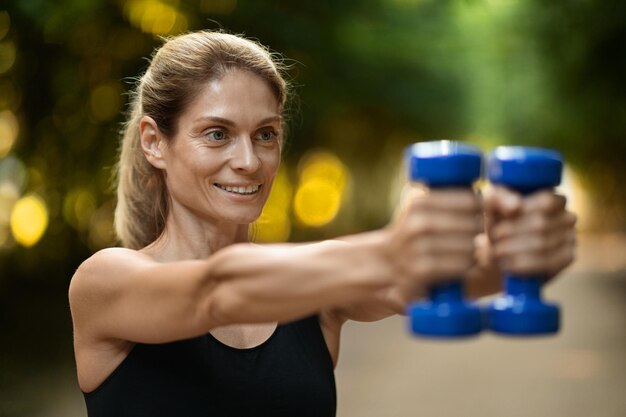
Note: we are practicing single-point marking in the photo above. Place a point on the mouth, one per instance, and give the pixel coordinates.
(248, 190)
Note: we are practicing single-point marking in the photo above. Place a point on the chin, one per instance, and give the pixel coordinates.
(243, 218)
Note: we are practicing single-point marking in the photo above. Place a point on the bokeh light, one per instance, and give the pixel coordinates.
(29, 220)
(12, 169)
(78, 207)
(274, 224)
(101, 232)
(7, 56)
(153, 16)
(9, 194)
(105, 101)
(577, 198)
(323, 179)
(9, 129)
(317, 202)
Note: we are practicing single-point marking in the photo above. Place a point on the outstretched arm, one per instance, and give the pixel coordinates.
(123, 294)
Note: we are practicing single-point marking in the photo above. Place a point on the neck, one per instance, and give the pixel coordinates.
(194, 238)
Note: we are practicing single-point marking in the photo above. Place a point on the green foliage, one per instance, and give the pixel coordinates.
(371, 77)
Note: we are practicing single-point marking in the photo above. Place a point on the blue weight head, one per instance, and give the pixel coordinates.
(444, 163)
(524, 169)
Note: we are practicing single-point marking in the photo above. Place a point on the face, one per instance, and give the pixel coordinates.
(225, 155)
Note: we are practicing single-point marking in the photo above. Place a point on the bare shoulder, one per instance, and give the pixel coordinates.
(101, 271)
(110, 260)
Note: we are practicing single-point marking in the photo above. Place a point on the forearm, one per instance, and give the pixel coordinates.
(283, 282)
(385, 303)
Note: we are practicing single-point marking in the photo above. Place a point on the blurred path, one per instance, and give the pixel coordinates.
(579, 373)
(383, 372)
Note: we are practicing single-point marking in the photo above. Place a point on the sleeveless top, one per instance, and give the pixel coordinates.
(290, 374)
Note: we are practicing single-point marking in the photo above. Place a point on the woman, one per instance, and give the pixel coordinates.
(189, 319)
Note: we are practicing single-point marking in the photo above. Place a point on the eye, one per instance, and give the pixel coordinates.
(217, 135)
(267, 135)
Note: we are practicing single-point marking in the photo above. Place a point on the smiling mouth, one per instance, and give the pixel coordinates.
(250, 189)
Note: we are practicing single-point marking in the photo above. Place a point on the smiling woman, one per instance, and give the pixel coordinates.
(189, 69)
(190, 319)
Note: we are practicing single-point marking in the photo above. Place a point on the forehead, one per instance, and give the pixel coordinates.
(239, 95)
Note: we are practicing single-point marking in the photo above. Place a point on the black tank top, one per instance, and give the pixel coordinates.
(290, 374)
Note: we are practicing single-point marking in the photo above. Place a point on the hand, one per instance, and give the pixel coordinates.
(432, 236)
(530, 235)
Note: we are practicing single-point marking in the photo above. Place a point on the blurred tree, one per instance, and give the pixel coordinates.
(371, 77)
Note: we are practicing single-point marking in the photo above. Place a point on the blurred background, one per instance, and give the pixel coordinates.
(370, 77)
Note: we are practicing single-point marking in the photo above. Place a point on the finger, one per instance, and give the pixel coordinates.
(539, 243)
(446, 244)
(532, 223)
(420, 223)
(562, 259)
(545, 262)
(545, 202)
(450, 199)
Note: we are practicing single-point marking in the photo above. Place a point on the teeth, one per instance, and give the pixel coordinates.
(251, 189)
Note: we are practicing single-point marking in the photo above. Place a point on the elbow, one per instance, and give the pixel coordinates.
(224, 302)
(223, 306)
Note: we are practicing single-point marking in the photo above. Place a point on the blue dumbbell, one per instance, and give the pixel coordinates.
(521, 311)
(441, 164)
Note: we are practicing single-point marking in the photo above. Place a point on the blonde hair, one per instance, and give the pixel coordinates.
(163, 92)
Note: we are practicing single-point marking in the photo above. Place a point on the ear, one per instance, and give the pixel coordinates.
(152, 142)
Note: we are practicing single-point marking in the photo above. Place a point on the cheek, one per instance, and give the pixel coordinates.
(271, 161)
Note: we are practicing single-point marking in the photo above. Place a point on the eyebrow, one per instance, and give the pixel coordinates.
(230, 123)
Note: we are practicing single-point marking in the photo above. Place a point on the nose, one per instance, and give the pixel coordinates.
(244, 157)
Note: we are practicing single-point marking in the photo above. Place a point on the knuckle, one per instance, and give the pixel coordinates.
(540, 243)
(540, 224)
(421, 226)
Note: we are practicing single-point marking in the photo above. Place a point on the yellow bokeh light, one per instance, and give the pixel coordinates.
(29, 220)
(317, 202)
(9, 129)
(323, 164)
(577, 198)
(274, 225)
(105, 101)
(282, 191)
(78, 207)
(7, 56)
(156, 17)
(323, 179)
(101, 230)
